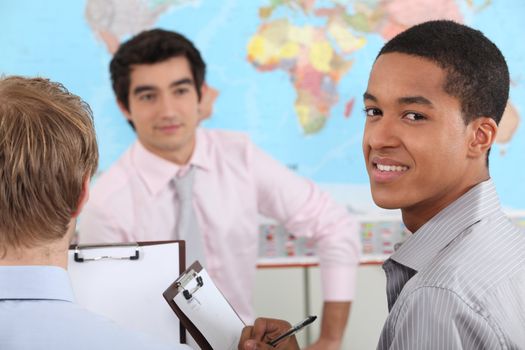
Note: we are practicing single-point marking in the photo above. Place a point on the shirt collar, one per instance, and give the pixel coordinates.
(424, 244)
(35, 282)
(157, 172)
(202, 155)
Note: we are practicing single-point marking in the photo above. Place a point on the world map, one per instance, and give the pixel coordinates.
(290, 73)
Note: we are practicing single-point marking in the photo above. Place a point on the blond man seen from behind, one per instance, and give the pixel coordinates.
(48, 153)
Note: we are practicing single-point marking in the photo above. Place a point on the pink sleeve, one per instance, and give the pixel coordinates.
(305, 210)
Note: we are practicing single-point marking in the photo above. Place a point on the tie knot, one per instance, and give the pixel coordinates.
(184, 184)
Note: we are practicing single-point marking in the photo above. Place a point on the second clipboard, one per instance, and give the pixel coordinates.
(203, 310)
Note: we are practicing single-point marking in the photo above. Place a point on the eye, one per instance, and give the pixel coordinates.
(414, 116)
(147, 96)
(372, 112)
(181, 91)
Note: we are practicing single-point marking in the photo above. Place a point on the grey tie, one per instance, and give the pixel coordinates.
(187, 227)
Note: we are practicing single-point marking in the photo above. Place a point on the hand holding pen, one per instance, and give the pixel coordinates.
(292, 330)
(269, 333)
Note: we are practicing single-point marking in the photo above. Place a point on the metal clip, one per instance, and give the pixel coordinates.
(185, 279)
(79, 258)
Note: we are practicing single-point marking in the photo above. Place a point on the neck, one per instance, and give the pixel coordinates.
(47, 254)
(181, 157)
(178, 155)
(419, 214)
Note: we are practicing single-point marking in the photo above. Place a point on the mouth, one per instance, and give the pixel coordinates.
(390, 168)
(387, 170)
(169, 128)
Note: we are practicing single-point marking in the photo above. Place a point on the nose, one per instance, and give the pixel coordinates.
(381, 133)
(168, 107)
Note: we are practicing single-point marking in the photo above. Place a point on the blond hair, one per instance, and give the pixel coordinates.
(48, 149)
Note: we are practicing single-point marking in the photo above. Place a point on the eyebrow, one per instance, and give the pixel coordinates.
(368, 96)
(415, 100)
(403, 100)
(141, 88)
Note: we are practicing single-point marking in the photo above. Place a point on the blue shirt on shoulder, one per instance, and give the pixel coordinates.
(37, 311)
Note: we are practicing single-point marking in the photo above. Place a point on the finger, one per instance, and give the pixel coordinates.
(252, 344)
(247, 333)
(261, 329)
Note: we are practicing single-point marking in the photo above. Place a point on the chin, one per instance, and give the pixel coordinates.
(386, 202)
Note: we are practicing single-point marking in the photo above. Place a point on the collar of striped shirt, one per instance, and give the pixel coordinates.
(424, 244)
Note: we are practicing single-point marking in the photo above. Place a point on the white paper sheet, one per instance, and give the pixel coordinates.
(130, 292)
(211, 314)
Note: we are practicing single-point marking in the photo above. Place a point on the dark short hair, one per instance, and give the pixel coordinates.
(149, 47)
(477, 74)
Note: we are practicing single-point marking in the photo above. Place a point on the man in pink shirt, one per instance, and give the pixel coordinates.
(158, 78)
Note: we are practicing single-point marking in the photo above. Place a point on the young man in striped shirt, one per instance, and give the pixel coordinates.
(435, 97)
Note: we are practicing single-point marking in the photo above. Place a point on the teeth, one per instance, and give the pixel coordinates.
(382, 167)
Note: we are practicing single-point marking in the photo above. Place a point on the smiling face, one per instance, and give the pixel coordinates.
(164, 108)
(417, 148)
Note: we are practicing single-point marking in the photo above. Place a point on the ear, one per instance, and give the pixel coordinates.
(483, 131)
(204, 90)
(201, 106)
(208, 97)
(84, 196)
(124, 110)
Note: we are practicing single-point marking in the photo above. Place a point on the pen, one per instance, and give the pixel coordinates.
(293, 330)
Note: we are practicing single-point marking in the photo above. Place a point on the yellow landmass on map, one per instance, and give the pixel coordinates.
(321, 55)
(344, 38)
(309, 57)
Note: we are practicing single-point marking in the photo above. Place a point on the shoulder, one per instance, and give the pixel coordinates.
(71, 325)
(479, 275)
(112, 335)
(473, 289)
(429, 315)
(226, 139)
(228, 146)
(111, 199)
(481, 258)
(109, 332)
(113, 182)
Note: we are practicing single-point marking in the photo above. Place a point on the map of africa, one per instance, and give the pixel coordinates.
(290, 73)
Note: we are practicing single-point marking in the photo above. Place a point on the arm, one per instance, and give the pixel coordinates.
(307, 211)
(263, 330)
(335, 316)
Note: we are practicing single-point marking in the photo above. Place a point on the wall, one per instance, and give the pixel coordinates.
(280, 293)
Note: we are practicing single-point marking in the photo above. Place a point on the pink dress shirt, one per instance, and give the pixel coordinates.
(235, 182)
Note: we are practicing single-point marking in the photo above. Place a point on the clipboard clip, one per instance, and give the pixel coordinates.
(79, 258)
(183, 280)
(188, 294)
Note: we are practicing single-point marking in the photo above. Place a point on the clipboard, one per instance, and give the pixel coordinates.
(123, 282)
(203, 310)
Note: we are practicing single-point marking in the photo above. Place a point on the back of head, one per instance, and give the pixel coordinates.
(47, 150)
(477, 73)
(150, 47)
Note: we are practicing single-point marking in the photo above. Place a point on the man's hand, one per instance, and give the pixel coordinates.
(264, 330)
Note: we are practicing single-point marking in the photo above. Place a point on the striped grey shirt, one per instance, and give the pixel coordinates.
(459, 281)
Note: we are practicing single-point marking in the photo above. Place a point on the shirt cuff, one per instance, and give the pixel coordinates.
(339, 283)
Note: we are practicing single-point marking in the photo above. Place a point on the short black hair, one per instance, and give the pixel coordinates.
(149, 47)
(477, 73)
